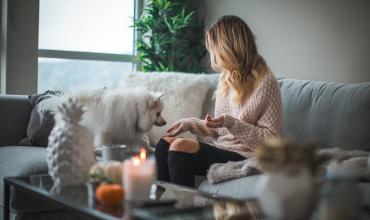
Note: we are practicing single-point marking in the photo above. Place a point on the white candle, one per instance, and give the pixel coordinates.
(138, 176)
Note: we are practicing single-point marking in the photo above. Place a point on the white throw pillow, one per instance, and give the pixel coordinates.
(184, 95)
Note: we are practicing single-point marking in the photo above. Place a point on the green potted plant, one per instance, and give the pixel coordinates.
(170, 37)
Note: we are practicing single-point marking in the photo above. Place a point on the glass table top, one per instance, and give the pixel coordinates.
(168, 201)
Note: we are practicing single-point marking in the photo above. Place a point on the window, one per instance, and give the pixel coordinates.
(84, 42)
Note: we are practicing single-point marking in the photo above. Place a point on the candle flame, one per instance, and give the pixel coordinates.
(136, 161)
(142, 154)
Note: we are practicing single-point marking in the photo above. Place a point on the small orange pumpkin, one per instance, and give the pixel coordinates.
(109, 194)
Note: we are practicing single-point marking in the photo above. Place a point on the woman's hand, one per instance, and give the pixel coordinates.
(179, 127)
(217, 122)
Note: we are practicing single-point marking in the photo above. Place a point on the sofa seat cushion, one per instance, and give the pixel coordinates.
(242, 188)
(333, 114)
(22, 161)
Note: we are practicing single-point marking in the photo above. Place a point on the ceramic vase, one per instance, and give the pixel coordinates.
(70, 147)
(286, 196)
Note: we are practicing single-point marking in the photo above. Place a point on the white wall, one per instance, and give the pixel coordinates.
(306, 39)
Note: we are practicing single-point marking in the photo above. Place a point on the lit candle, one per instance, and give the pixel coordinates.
(138, 176)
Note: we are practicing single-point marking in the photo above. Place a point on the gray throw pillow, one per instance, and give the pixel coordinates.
(39, 126)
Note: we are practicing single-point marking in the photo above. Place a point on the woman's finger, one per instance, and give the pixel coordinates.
(170, 135)
(209, 123)
(218, 119)
(213, 124)
(172, 128)
(175, 128)
(177, 131)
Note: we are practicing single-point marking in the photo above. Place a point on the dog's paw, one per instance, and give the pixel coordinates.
(150, 149)
(98, 152)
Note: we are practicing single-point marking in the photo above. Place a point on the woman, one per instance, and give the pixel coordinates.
(248, 108)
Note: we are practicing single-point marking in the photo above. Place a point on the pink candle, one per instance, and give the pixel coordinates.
(138, 177)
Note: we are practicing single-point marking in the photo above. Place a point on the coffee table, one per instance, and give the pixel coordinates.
(168, 201)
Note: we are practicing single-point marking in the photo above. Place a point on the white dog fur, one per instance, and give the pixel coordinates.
(115, 116)
(184, 95)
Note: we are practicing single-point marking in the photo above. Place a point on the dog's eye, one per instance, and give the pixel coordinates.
(158, 114)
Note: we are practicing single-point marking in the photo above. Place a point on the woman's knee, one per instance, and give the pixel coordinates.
(169, 140)
(184, 145)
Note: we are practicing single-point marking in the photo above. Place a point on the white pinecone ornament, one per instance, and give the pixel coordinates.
(70, 147)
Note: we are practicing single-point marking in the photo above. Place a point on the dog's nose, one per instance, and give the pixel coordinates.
(160, 123)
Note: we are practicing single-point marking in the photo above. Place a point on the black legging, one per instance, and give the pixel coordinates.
(180, 167)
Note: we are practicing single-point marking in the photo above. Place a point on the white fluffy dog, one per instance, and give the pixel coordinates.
(115, 116)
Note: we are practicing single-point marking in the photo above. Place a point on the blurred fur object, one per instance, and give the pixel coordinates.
(278, 154)
(320, 161)
(219, 172)
(237, 210)
(335, 159)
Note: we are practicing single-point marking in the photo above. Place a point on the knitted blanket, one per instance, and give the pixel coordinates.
(328, 160)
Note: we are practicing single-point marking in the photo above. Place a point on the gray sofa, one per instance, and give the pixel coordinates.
(335, 115)
(331, 114)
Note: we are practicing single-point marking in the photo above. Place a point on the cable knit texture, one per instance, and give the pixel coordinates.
(246, 125)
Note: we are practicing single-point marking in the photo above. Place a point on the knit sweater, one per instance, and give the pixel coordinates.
(247, 125)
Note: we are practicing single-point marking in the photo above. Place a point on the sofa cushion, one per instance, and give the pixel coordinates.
(209, 104)
(14, 116)
(21, 161)
(242, 188)
(335, 115)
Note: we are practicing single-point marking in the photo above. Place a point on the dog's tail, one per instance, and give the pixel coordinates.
(83, 95)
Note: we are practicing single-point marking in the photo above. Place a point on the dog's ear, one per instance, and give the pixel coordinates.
(151, 102)
(159, 95)
(154, 101)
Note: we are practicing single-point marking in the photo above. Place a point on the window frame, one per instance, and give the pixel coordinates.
(80, 55)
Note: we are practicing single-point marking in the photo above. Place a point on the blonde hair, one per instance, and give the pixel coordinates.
(233, 51)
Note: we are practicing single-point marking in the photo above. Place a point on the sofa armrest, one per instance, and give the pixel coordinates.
(15, 112)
